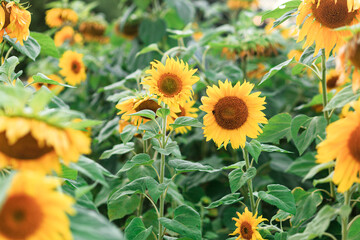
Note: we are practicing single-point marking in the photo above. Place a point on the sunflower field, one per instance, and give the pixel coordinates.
(180, 119)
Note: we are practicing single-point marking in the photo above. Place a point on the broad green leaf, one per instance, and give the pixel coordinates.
(186, 122)
(255, 148)
(238, 178)
(316, 100)
(108, 129)
(81, 191)
(128, 133)
(89, 225)
(136, 230)
(152, 47)
(120, 206)
(277, 128)
(284, 17)
(5, 184)
(118, 149)
(177, 34)
(41, 78)
(84, 124)
(47, 44)
(182, 166)
(40, 99)
(68, 173)
(186, 222)
(307, 57)
(8, 67)
(275, 69)
(137, 160)
(31, 47)
(302, 165)
(354, 230)
(318, 168)
(281, 10)
(226, 200)
(171, 148)
(152, 31)
(162, 112)
(184, 8)
(345, 96)
(279, 196)
(145, 113)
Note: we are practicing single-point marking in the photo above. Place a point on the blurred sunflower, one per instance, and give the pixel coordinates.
(15, 21)
(348, 108)
(187, 110)
(296, 54)
(258, 72)
(67, 34)
(58, 17)
(241, 4)
(319, 19)
(333, 81)
(134, 105)
(129, 31)
(55, 88)
(29, 143)
(232, 113)
(342, 143)
(171, 82)
(348, 60)
(93, 31)
(72, 67)
(33, 209)
(247, 226)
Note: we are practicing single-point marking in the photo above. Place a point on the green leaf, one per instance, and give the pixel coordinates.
(186, 122)
(31, 47)
(302, 165)
(177, 34)
(354, 230)
(182, 166)
(68, 173)
(47, 44)
(318, 168)
(89, 225)
(184, 8)
(342, 98)
(152, 31)
(137, 160)
(311, 128)
(40, 99)
(41, 78)
(137, 231)
(226, 200)
(8, 68)
(120, 206)
(284, 17)
(281, 10)
(255, 148)
(238, 178)
(279, 196)
(307, 57)
(81, 191)
(316, 100)
(128, 133)
(5, 184)
(84, 124)
(152, 47)
(186, 222)
(277, 128)
(171, 148)
(145, 113)
(118, 150)
(108, 129)
(162, 112)
(275, 69)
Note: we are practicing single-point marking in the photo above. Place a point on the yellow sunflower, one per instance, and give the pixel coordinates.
(319, 20)
(241, 4)
(333, 81)
(187, 110)
(67, 33)
(247, 226)
(72, 67)
(33, 144)
(57, 17)
(55, 88)
(171, 82)
(342, 144)
(232, 113)
(134, 105)
(34, 210)
(15, 20)
(348, 61)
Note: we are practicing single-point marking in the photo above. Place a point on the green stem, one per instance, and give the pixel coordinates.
(140, 205)
(244, 67)
(345, 220)
(8, 53)
(325, 102)
(249, 182)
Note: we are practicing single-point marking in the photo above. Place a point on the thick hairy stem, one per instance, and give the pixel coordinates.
(162, 176)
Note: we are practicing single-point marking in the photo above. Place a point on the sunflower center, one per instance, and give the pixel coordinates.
(170, 84)
(353, 50)
(148, 105)
(230, 112)
(333, 15)
(353, 144)
(20, 217)
(331, 82)
(246, 230)
(75, 67)
(25, 148)
(182, 113)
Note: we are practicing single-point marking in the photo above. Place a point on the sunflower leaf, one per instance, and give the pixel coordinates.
(186, 122)
(41, 78)
(145, 113)
(137, 160)
(226, 200)
(238, 178)
(279, 196)
(136, 230)
(118, 150)
(183, 166)
(31, 47)
(277, 128)
(345, 96)
(47, 44)
(275, 69)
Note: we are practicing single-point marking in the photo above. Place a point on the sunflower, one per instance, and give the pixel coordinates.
(33, 209)
(15, 21)
(33, 144)
(93, 32)
(241, 4)
(129, 31)
(232, 113)
(333, 81)
(342, 144)
(55, 88)
(134, 105)
(187, 110)
(319, 20)
(348, 108)
(68, 34)
(348, 61)
(258, 72)
(172, 83)
(58, 17)
(247, 226)
(72, 67)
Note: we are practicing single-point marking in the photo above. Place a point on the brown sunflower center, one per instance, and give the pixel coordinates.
(169, 84)
(230, 112)
(246, 230)
(25, 148)
(148, 105)
(333, 15)
(20, 217)
(354, 143)
(331, 82)
(353, 50)
(92, 29)
(182, 113)
(75, 66)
